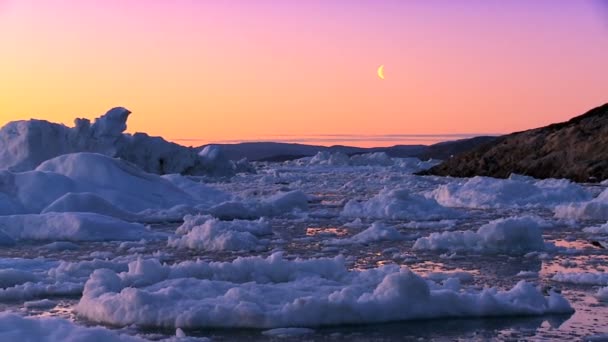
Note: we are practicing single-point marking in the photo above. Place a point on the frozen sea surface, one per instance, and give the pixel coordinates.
(46, 279)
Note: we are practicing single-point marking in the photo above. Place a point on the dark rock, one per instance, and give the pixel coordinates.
(576, 149)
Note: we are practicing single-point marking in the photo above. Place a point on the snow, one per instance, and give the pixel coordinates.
(17, 328)
(514, 235)
(273, 292)
(376, 232)
(485, 192)
(398, 204)
(207, 233)
(595, 209)
(71, 227)
(582, 278)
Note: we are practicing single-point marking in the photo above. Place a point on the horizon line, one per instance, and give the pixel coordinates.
(337, 138)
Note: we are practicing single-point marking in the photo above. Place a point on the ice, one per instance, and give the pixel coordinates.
(595, 209)
(582, 278)
(277, 204)
(207, 233)
(215, 163)
(17, 328)
(11, 277)
(288, 332)
(377, 232)
(398, 204)
(71, 227)
(276, 293)
(486, 192)
(326, 159)
(89, 182)
(514, 235)
(602, 294)
(40, 304)
(603, 229)
(26, 144)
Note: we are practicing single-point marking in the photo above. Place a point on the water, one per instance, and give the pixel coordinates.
(303, 236)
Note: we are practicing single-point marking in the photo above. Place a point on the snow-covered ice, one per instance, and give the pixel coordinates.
(398, 204)
(510, 235)
(486, 192)
(101, 228)
(273, 292)
(208, 233)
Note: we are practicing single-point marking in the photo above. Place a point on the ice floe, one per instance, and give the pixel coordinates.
(582, 278)
(274, 292)
(376, 232)
(208, 233)
(14, 327)
(595, 209)
(71, 227)
(486, 192)
(398, 204)
(515, 235)
(280, 203)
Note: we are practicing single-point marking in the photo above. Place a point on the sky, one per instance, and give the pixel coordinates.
(305, 71)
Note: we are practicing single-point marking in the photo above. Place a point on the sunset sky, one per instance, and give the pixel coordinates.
(204, 71)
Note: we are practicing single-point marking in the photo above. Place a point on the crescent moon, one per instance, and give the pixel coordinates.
(381, 71)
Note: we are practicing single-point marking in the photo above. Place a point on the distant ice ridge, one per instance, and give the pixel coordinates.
(339, 159)
(90, 182)
(514, 235)
(26, 144)
(595, 209)
(273, 292)
(517, 191)
(398, 204)
(208, 233)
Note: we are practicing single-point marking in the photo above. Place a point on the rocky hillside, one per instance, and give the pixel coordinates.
(576, 149)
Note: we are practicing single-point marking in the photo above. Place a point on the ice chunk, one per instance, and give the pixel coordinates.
(275, 205)
(71, 227)
(602, 294)
(595, 209)
(17, 328)
(486, 192)
(583, 278)
(377, 232)
(511, 235)
(603, 229)
(273, 292)
(207, 233)
(398, 204)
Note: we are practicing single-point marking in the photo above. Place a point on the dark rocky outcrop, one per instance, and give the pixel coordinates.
(576, 149)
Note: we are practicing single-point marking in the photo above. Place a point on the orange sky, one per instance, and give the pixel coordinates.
(253, 70)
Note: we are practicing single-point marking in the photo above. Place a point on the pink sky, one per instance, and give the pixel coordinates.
(252, 70)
